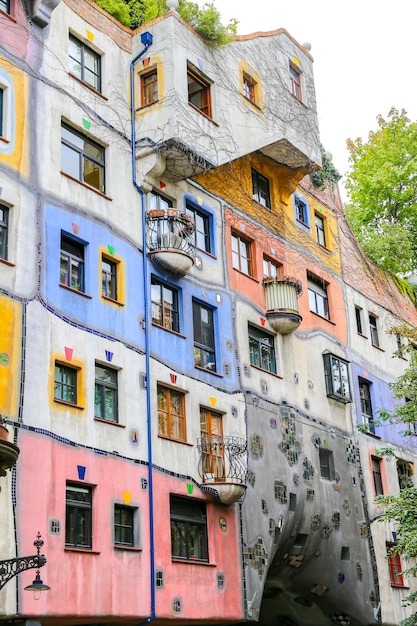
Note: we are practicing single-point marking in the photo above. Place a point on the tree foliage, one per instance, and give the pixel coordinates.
(206, 20)
(402, 508)
(382, 188)
(327, 174)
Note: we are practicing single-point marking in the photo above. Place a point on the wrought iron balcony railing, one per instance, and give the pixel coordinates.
(170, 239)
(223, 466)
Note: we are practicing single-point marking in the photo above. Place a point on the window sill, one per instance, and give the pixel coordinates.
(371, 434)
(303, 224)
(128, 548)
(205, 369)
(84, 84)
(69, 404)
(8, 16)
(192, 562)
(186, 443)
(342, 399)
(83, 184)
(363, 336)
(378, 348)
(299, 101)
(261, 369)
(169, 330)
(397, 586)
(326, 319)
(111, 301)
(80, 293)
(81, 550)
(4, 139)
(146, 106)
(253, 103)
(104, 421)
(243, 273)
(6, 262)
(210, 119)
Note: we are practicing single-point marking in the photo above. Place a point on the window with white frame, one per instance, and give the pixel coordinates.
(201, 237)
(366, 404)
(301, 210)
(271, 268)
(260, 189)
(319, 222)
(242, 254)
(373, 327)
(337, 378)
(317, 296)
(72, 263)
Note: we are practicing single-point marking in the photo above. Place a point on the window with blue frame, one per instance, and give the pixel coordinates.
(204, 342)
(201, 237)
(301, 210)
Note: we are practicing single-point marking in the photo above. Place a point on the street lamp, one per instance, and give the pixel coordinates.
(11, 567)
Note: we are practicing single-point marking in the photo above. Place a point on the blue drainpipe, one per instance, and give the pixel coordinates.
(146, 39)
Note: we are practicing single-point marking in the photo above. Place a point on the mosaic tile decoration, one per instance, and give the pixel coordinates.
(265, 507)
(289, 445)
(250, 478)
(351, 451)
(220, 580)
(280, 491)
(316, 441)
(256, 556)
(326, 530)
(310, 494)
(176, 606)
(316, 521)
(159, 579)
(257, 446)
(308, 473)
(336, 520)
(272, 527)
(363, 527)
(346, 507)
(296, 479)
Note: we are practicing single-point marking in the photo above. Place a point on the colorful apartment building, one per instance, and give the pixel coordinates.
(190, 334)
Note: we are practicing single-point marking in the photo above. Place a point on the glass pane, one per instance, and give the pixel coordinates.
(93, 174)
(71, 162)
(72, 137)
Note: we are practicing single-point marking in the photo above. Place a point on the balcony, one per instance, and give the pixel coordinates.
(223, 467)
(8, 451)
(281, 295)
(170, 240)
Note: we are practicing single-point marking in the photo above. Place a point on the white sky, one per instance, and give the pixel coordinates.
(364, 51)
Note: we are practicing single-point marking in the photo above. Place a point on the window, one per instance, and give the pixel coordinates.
(301, 210)
(72, 263)
(78, 516)
(326, 464)
(405, 470)
(271, 269)
(4, 231)
(5, 6)
(201, 235)
(65, 383)
(376, 474)
(374, 330)
(105, 393)
(124, 526)
(204, 346)
(260, 189)
(171, 413)
(366, 404)
(164, 305)
(337, 378)
(211, 429)
(108, 278)
(84, 63)
(149, 87)
(295, 78)
(320, 229)
(358, 317)
(262, 350)
(395, 566)
(241, 254)
(317, 296)
(198, 91)
(249, 88)
(82, 158)
(188, 529)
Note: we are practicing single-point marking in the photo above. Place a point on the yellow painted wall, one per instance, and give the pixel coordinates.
(10, 342)
(14, 148)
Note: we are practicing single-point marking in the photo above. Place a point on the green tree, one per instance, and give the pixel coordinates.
(402, 508)
(205, 20)
(382, 188)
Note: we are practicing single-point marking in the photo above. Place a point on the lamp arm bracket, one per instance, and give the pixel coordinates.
(12, 567)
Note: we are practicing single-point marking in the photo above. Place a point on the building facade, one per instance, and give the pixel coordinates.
(190, 335)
